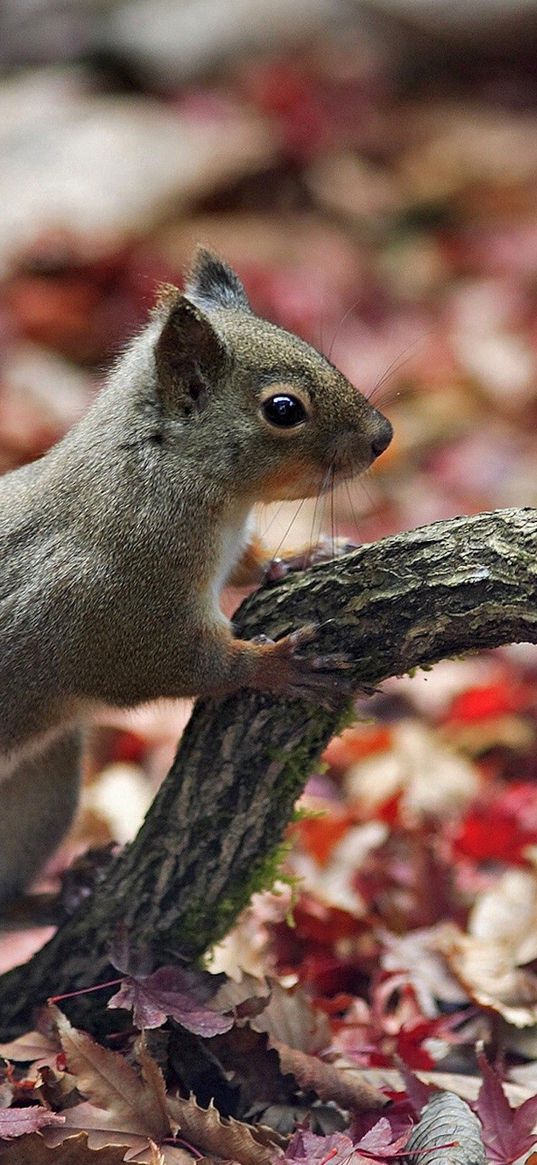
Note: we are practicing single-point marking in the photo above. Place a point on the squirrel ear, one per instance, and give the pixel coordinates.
(211, 283)
(189, 357)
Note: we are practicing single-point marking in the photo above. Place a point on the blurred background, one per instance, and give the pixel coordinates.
(370, 170)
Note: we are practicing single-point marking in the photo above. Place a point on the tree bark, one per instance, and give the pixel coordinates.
(210, 836)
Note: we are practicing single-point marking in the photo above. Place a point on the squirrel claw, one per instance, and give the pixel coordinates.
(323, 551)
(316, 678)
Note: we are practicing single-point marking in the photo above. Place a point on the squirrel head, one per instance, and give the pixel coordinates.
(271, 415)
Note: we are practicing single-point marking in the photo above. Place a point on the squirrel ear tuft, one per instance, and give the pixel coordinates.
(211, 283)
(189, 356)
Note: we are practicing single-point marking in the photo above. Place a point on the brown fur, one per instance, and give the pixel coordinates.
(116, 545)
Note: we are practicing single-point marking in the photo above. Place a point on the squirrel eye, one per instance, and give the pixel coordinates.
(284, 411)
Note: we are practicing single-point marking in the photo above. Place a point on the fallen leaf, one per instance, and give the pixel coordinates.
(291, 1017)
(507, 1132)
(416, 954)
(232, 1139)
(172, 993)
(406, 770)
(29, 1047)
(507, 914)
(73, 1151)
(487, 970)
(446, 1121)
(308, 1149)
(379, 1141)
(246, 997)
(16, 1121)
(121, 1108)
(343, 1084)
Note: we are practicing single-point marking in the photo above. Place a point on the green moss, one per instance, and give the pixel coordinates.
(302, 813)
(199, 928)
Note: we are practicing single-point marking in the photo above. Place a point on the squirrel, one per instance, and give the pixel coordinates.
(116, 545)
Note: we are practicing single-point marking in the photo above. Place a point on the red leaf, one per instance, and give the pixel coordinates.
(14, 1122)
(507, 1132)
(309, 1149)
(378, 1142)
(487, 701)
(172, 993)
(490, 832)
(356, 743)
(418, 1093)
(319, 835)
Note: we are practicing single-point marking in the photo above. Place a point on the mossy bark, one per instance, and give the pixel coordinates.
(211, 833)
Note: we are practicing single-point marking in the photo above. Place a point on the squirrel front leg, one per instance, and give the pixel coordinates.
(257, 565)
(251, 567)
(225, 664)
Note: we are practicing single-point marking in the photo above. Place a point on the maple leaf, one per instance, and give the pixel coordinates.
(31, 1046)
(121, 1108)
(74, 1151)
(417, 1091)
(307, 1148)
(172, 993)
(507, 1132)
(379, 1142)
(488, 970)
(16, 1121)
(228, 1138)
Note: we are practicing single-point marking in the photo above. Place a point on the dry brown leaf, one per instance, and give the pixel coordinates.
(57, 1090)
(102, 1130)
(290, 1017)
(487, 970)
(32, 1150)
(155, 1081)
(121, 1108)
(30, 1046)
(489, 960)
(329, 1081)
(166, 1155)
(232, 1139)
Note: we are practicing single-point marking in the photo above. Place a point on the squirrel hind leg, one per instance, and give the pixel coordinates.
(37, 804)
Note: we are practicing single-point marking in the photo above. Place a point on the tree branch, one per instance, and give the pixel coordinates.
(210, 835)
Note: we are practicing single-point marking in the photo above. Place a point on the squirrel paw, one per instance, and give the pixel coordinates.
(322, 551)
(318, 678)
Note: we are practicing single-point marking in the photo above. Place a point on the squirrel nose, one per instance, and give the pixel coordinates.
(383, 436)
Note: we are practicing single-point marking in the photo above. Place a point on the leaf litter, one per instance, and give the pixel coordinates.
(356, 1033)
